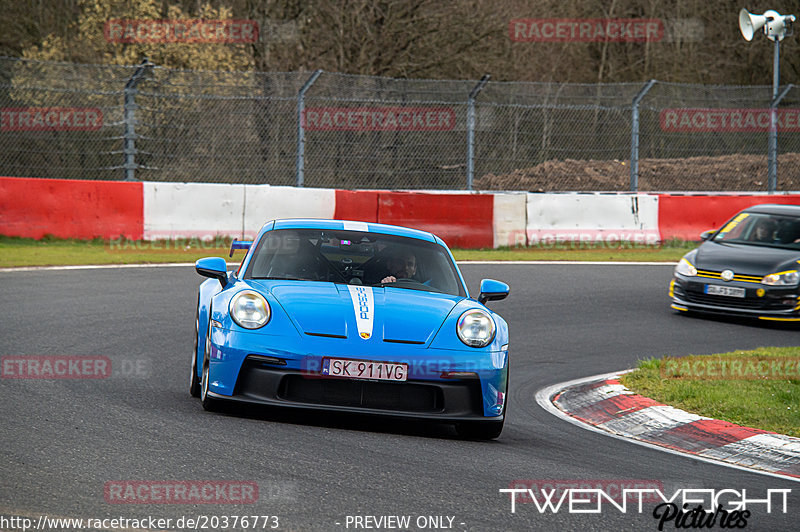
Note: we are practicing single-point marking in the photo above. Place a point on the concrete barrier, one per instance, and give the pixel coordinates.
(509, 219)
(610, 218)
(70, 208)
(461, 219)
(31, 207)
(686, 216)
(265, 202)
(202, 210)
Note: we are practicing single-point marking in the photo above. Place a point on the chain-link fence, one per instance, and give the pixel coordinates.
(151, 123)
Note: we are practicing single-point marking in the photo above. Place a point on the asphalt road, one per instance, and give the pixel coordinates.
(61, 441)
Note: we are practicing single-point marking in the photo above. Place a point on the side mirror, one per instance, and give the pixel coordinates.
(492, 290)
(213, 267)
(705, 235)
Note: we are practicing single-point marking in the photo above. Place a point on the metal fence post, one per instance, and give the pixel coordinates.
(129, 118)
(772, 155)
(635, 134)
(471, 128)
(301, 130)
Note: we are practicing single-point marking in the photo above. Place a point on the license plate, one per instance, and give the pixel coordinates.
(730, 291)
(364, 369)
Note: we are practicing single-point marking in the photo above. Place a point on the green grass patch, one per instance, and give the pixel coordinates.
(16, 252)
(56, 252)
(765, 393)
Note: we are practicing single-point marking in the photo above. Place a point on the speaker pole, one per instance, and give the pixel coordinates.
(772, 156)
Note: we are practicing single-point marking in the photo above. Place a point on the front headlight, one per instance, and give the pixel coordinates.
(476, 328)
(686, 268)
(788, 278)
(249, 309)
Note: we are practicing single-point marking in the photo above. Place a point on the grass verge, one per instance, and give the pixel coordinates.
(763, 390)
(16, 252)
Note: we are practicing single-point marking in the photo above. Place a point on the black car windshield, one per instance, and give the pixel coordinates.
(760, 229)
(354, 257)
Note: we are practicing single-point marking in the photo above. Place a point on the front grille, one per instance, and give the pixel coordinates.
(723, 301)
(399, 396)
(741, 277)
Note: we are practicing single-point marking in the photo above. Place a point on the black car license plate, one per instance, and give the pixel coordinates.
(728, 291)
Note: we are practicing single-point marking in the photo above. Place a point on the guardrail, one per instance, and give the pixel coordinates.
(88, 209)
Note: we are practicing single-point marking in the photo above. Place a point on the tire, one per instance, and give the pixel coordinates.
(480, 430)
(209, 404)
(194, 380)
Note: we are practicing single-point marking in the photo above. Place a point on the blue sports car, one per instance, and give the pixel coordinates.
(353, 317)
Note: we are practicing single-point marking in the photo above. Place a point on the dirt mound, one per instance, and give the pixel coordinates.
(720, 173)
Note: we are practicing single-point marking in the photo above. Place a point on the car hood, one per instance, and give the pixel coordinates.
(744, 259)
(384, 314)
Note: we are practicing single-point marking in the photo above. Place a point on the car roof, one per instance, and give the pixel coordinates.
(349, 225)
(772, 208)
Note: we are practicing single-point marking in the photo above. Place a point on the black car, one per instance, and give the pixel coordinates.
(749, 267)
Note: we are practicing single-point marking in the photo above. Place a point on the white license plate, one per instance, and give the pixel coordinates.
(730, 291)
(364, 369)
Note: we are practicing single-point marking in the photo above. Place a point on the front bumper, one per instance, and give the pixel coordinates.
(760, 301)
(240, 372)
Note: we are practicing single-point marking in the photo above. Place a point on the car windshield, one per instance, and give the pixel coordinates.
(759, 229)
(354, 257)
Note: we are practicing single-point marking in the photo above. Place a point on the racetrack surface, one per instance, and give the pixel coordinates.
(63, 440)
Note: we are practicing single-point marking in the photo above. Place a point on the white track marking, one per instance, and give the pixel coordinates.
(462, 263)
(102, 267)
(567, 262)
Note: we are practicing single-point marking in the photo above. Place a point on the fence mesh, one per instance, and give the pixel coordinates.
(72, 121)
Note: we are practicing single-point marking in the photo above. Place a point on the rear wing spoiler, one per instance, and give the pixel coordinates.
(240, 244)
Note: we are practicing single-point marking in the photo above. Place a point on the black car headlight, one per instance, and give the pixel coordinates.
(476, 328)
(249, 309)
(685, 268)
(787, 278)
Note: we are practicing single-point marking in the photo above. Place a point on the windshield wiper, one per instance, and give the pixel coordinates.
(407, 286)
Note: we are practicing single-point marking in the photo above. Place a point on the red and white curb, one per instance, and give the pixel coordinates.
(603, 404)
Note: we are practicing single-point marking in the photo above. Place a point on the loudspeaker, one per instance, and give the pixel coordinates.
(776, 26)
(749, 23)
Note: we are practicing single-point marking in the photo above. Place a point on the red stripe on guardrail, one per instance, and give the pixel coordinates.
(461, 220)
(356, 205)
(685, 217)
(70, 208)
